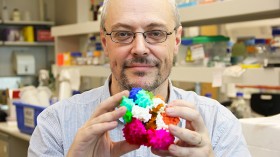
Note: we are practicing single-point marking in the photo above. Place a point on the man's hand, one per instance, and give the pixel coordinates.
(193, 140)
(92, 139)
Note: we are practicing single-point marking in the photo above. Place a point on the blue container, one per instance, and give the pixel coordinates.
(27, 116)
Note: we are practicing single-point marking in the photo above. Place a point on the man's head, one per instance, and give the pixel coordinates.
(143, 60)
(171, 2)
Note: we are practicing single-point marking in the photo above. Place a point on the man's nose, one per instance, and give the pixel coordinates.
(139, 45)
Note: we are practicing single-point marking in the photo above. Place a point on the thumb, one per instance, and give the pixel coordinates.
(122, 147)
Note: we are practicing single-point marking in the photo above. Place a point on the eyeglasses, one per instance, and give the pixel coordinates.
(151, 37)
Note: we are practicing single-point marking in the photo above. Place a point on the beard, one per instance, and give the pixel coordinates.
(147, 81)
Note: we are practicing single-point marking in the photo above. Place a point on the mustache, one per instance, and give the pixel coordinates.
(141, 60)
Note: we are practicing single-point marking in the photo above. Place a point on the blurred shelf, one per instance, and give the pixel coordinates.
(87, 70)
(256, 23)
(197, 74)
(20, 43)
(76, 29)
(48, 23)
(213, 13)
(229, 11)
(269, 77)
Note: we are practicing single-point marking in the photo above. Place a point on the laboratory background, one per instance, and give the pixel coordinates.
(230, 52)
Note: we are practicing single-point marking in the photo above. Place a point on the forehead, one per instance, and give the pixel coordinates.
(139, 13)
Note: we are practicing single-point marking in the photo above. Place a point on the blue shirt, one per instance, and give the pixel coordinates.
(58, 124)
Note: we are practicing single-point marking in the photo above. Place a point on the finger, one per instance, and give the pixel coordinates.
(160, 152)
(110, 104)
(189, 126)
(185, 151)
(109, 116)
(182, 103)
(122, 147)
(189, 114)
(190, 137)
(98, 129)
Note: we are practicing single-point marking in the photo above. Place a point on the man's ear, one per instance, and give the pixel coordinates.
(104, 42)
(178, 39)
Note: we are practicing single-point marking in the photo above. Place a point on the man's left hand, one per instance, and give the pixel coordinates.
(193, 140)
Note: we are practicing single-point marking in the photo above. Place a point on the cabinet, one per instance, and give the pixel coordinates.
(4, 145)
(43, 52)
(12, 142)
(69, 37)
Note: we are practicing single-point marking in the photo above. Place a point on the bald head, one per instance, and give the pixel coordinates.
(172, 6)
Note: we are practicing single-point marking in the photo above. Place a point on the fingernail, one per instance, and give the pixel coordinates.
(171, 103)
(172, 148)
(123, 108)
(172, 128)
(169, 110)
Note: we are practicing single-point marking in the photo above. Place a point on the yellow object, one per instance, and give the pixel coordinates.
(250, 66)
(28, 34)
(96, 54)
(209, 30)
(189, 55)
(67, 58)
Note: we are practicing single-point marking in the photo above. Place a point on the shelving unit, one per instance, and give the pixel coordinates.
(196, 74)
(87, 70)
(46, 23)
(76, 29)
(213, 13)
(229, 11)
(43, 52)
(20, 43)
(68, 37)
(25, 23)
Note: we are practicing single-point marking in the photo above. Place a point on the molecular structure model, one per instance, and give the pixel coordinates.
(146, 122)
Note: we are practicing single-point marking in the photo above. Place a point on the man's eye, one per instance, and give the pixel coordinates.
(155, 34)
(123, 34)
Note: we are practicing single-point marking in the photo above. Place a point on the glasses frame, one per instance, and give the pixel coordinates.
(143, 33)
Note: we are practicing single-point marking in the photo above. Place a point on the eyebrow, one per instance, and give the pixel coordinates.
(149, 26)
(120, 25)
(152, 25)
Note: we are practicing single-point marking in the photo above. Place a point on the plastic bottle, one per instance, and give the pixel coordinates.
(66, 58)
(262, 50)
(184, 55)
(238, 52)
(208, 95)
(76, 58)
(273, 57)
(239, 107)
(227, 58)
(97, 54)
(5, 13)
(91, 47)
(276, 37)
(16, 16)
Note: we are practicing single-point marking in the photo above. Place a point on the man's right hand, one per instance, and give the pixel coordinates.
(93, 139)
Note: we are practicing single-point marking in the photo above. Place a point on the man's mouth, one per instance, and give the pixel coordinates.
(140, 67)
(140, 64)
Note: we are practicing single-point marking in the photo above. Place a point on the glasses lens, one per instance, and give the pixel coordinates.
(122, 36)
(155, 36)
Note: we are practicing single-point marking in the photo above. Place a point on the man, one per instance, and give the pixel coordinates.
(141, 38)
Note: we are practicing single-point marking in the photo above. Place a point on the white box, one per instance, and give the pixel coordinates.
(24, 64)
(262, 135)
